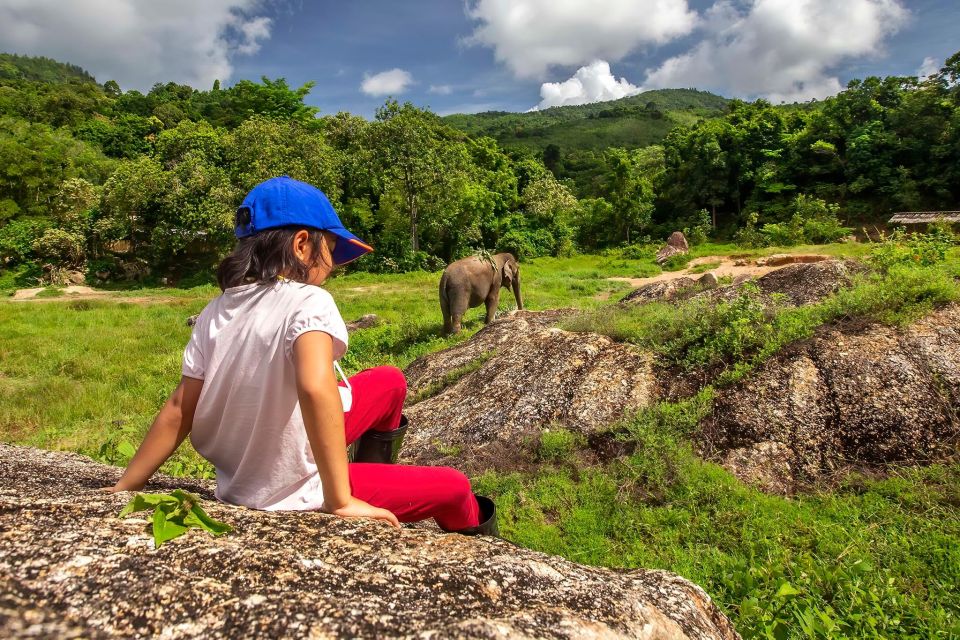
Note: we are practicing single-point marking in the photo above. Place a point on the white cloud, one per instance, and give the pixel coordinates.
(529, 36)
(440, 89)
(385, 83)
(592, 83)
(137, 43)
(783, 50)
(928, 67)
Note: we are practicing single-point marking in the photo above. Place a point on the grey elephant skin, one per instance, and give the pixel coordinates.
(470, 282)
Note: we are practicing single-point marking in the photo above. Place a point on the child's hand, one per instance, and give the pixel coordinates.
(357, 508)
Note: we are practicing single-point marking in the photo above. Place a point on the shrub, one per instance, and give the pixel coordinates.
(558, 444)
(813, 221)
(919, 249)
(17, 238)
(60, 247)
(699, 229)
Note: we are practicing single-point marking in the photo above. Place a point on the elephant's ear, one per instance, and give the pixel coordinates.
(508, 272)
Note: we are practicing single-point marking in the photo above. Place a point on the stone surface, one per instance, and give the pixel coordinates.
(708, 281)
(660, 290)
(363, 322)
(676, 245)
(807, 282)
(70, 568)
(851, 395)
(529, 377)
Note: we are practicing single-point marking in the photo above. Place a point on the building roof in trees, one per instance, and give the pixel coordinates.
(924, 217)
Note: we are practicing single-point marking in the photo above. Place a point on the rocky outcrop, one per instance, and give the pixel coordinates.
(676, 245)
(661, 290)
(70, 568)
(808, 282)
(867, 395)
(856, 394)
(519, 376)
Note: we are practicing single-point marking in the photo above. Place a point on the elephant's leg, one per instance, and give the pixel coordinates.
(492, 301)
(455, 319)
(445, 310)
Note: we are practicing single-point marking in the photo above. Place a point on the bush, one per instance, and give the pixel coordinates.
(699, 229)
(813, 221)
(62, 248)
(919, 249)
(639, 252)
(17, 238)
(558, 444)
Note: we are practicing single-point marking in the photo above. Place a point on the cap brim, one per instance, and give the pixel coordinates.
(349, 247)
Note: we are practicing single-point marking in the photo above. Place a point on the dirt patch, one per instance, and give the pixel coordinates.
(729, 266)
(79, 292)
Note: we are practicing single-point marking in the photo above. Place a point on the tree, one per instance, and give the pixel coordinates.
(414, 156)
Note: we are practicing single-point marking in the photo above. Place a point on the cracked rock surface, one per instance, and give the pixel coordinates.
(530, 377)
(70, 568)
(850, 396)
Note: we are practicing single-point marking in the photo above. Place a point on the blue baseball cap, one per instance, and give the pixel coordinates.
(283, 201)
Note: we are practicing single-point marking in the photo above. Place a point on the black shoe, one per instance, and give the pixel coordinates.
(379, 446)
(488, 520)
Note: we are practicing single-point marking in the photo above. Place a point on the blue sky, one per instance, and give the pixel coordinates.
(491, 54)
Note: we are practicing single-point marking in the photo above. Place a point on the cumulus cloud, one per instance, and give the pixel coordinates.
(529, 36)
(440, 89)
(783, 50)
(592, 83)
(386, 83)
(137, 43)
(928, 67)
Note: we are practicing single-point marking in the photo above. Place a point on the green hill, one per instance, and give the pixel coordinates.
(14, 67)
(636, 121)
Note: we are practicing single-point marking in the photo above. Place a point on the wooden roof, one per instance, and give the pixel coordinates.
(924, 217)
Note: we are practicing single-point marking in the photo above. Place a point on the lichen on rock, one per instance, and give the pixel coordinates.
(70, 568)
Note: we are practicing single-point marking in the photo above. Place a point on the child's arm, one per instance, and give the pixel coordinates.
(322, 413)
(168, 430)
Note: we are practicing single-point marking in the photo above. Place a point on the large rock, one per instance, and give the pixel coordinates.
(661, 290)
(519, 377)
(850, 396)
(808, 282)
(70, 568)
(676, 245)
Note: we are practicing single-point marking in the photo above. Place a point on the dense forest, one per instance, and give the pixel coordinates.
(119, 183)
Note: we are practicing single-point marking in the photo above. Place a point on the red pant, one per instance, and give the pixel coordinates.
(411, 493)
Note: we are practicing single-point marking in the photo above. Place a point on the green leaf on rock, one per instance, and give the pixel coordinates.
(173, 514)
(127, 449)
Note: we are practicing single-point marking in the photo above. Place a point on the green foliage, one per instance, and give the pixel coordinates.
(874, 560)
(60, 247)
(451, 377)
(698, 231)
(632, 122)
(813, 222)
(173, 514)
(902, 248)
(17, 239)
(558, 444)
(737, 335)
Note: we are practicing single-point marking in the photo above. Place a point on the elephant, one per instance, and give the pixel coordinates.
(469, 281)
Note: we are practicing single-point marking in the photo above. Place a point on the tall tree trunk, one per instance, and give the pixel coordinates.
(414, 239)
(713, 206)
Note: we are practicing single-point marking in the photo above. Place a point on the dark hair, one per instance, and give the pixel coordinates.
(266, 255)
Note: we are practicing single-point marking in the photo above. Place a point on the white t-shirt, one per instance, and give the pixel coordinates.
(248, 421)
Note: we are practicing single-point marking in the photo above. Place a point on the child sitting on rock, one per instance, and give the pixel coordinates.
(259, 395)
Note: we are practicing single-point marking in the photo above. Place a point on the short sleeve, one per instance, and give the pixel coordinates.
(193, 362)
(317, 313)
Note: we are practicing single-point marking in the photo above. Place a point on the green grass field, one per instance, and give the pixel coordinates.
(874, 557)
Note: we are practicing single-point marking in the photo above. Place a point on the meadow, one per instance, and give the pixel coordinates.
(874, 555)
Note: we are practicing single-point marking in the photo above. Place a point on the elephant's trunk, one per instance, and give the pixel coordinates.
(516, 291)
